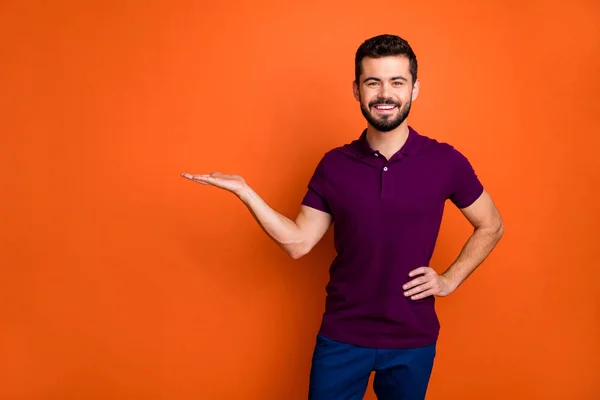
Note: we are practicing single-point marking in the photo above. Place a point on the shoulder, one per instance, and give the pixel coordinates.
(440, 150)
(326, 161)
(340, 153)
(433, 146)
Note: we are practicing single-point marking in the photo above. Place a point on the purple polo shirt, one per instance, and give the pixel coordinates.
(387, 215)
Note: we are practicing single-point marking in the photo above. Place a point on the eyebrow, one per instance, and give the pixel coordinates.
(393, 78)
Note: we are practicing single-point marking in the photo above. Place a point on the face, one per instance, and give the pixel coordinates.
(385, 91)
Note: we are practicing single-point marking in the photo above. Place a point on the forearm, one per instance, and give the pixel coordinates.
(278, 227)
(479, 245)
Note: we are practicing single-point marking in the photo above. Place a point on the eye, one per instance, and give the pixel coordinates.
(372, 84)
(398, 83)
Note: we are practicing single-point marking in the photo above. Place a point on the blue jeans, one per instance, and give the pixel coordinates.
(341, 371)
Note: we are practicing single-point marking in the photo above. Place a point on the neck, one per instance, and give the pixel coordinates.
(388, 143)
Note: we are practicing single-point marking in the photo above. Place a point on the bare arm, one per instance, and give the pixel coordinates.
(297, 237)
(489, 228)
(486, 220)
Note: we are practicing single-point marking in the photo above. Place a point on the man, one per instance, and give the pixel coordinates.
(386, 191)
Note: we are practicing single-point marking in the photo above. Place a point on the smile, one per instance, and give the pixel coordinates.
(385, 107)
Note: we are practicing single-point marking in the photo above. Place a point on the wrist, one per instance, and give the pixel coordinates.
(451, 281)
(244, 193)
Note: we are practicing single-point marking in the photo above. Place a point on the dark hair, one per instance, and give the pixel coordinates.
(384, 46)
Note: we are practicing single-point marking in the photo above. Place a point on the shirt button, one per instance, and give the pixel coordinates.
(376, 155)
(385, 168)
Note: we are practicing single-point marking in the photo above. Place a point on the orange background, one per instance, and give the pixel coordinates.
(122, 280)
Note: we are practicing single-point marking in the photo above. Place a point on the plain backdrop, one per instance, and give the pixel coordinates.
(119, 279)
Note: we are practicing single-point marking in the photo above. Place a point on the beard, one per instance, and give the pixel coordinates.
(385, 123)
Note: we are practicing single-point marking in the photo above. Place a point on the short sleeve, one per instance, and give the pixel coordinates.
(315, 196)
(465, 184)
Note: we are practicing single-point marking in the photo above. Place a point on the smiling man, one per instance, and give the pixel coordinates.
(386, 192)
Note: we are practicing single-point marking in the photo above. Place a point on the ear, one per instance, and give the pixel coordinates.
(415, 90)
(356, 91)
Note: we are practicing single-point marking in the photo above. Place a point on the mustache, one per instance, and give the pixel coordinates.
(384, 101)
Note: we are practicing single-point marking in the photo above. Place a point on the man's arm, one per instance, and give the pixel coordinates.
(489, 228)
(296, 238)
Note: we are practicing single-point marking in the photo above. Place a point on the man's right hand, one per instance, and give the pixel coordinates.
(297, 237)
(233, 183)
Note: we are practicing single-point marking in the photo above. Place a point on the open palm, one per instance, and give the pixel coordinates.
(230, 182)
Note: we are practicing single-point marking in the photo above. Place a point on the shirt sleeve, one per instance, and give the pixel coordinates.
(315, 196)
(466, 186)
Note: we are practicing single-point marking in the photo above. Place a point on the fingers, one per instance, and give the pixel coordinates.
(424, 294)
(424, 286)
(204, 176)
(420, 271)
(415, 282)
(201, 178)
(191, 176)
(427, 274)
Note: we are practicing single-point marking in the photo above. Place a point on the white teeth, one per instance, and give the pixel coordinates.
(384, 107)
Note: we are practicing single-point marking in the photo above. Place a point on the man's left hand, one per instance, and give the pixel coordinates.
(429, 284)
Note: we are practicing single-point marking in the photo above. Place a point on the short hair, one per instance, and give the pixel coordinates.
(385, 46)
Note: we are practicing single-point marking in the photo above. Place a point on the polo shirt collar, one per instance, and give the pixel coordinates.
(410, 147)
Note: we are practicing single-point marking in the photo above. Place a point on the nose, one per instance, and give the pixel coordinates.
(384, 90)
